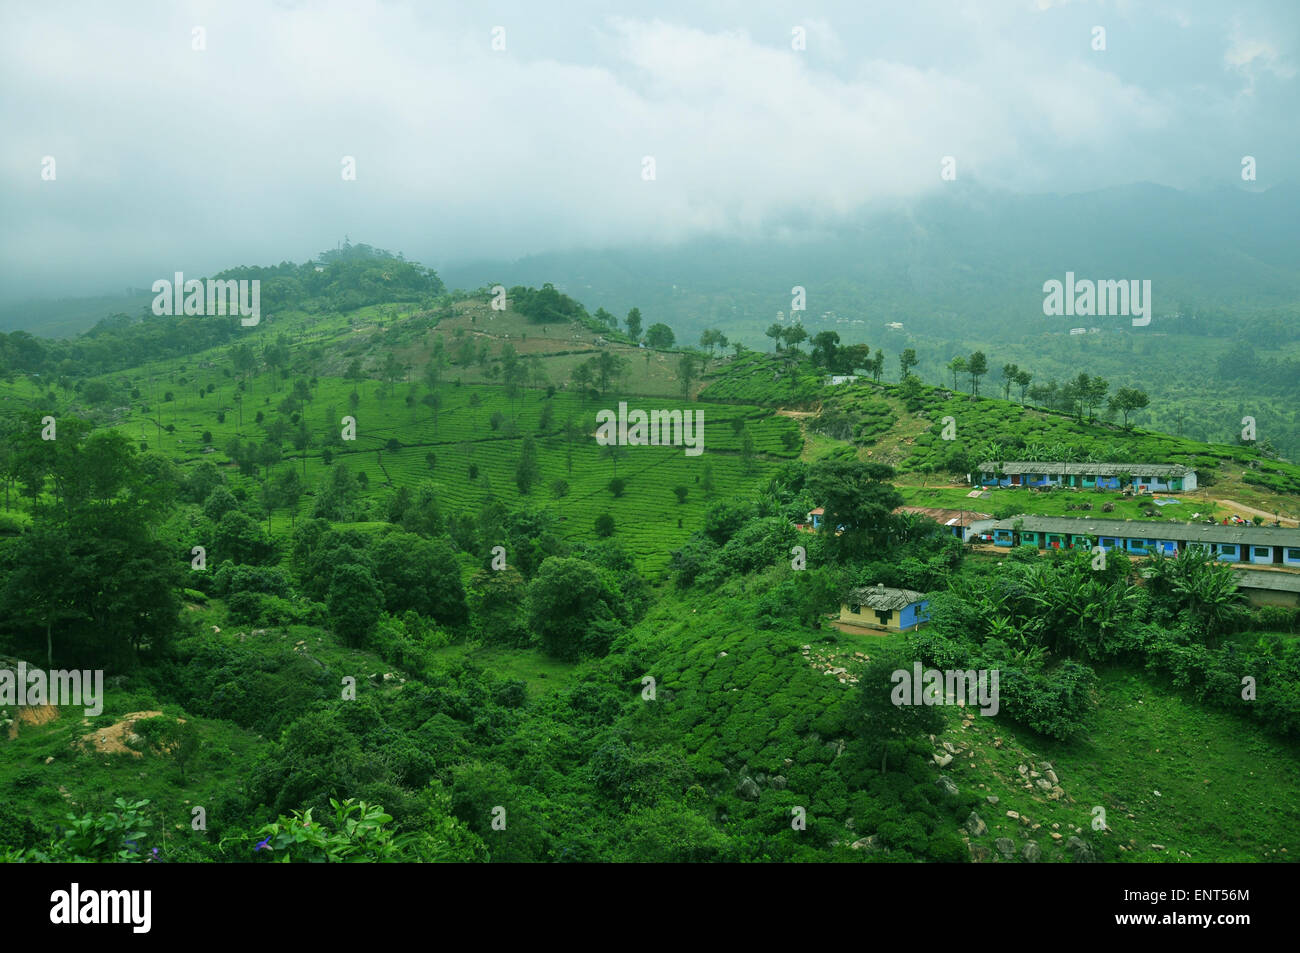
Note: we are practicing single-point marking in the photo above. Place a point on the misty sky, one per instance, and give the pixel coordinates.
(174, 159)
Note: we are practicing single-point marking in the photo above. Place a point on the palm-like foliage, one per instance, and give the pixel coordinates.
(1194, 585)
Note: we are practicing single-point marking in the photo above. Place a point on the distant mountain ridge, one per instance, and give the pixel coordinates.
(969, 252)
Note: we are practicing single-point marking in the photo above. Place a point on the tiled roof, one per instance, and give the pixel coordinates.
(1014, 467)
(880, 597)
(946, 517)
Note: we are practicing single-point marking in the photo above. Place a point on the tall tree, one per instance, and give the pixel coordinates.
(825, 349)
(886, 729)
(634, 324)
(1022, 381)
(1010, 373)
(582, 377)
(1128, 400)
(608, 366)
(859, 501)
(977, 365)
(686, 372)
(878, 365)
(957, 366)
(906, 361)
(660, 335)
(529, 470)
(777, 333)
(1095, 393)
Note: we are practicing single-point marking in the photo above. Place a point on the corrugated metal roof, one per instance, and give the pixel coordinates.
(1154, 529)
(881, 597)
(1014, 467)
(1277, 581)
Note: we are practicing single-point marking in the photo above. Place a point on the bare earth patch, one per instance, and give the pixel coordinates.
(112, 740)
(32, 715)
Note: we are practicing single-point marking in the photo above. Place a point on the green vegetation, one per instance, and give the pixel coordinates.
(365, 588)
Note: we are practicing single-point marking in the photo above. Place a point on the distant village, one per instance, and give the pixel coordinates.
(1266, 557)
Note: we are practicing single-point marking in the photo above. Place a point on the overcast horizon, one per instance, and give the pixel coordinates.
(170, 158)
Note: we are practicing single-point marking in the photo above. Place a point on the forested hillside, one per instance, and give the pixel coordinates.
(370, 564)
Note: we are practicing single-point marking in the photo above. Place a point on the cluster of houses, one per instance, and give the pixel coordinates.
(1140, 477)
(880, 609)
(1257, 545)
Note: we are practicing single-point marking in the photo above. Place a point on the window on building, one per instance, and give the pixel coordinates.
(1292, 553)
(1262, 551)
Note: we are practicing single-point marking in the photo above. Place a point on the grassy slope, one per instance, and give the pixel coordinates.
(1163, 743)
(646, 516)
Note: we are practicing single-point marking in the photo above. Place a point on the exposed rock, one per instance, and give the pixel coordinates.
(993, 799)
(975, 825)
(1024, 771)
(947, 784)
(948, 747)
(779, 782)
(871, 843)
(980, 854)
(1043, 784)
(748, 789)
(1083, 853)
(1031, 853)
(1006, 847)
(1051, 776)
(1013, 815)
(943, 760)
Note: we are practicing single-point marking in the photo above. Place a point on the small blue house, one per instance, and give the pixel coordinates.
(878, 607)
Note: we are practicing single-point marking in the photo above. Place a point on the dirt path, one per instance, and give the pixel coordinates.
(1250, 510)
